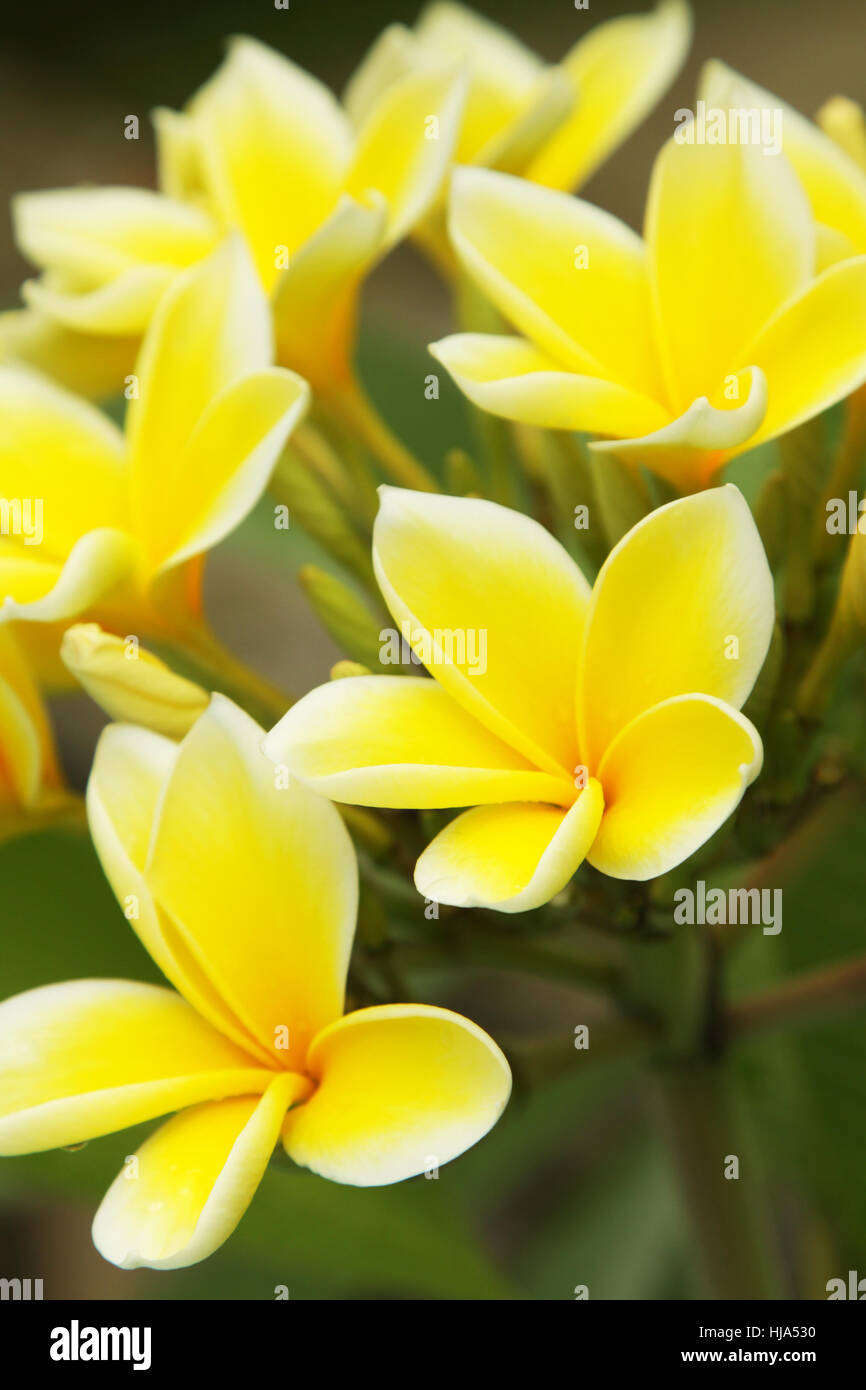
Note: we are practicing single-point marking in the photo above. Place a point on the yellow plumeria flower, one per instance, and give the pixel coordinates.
(713, 334)
(131, 684)
(107, 254)
(124, 516)
(600, 724)
(829, 157)
(30, 779)
(265, 149)
(245, 894)
(554, 125)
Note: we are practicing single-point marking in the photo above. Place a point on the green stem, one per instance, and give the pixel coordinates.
(317, 452)
(472, 946)
(541, 1059)
(320, 518)
(733, 1235)
(802, 455)
(620, 493)
(817, 685)
(368, 827)
(354, 410)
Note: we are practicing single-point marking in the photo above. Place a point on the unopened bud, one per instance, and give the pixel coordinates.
(131, 684)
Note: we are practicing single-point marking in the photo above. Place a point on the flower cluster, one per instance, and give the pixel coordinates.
(650, 630)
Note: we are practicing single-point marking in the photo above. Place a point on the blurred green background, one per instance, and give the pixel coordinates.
(575, 1185)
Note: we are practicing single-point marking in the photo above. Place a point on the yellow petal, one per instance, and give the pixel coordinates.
(731, 238)
(620, 69)
(551, 99)
(260, 880)
(186, 1189)
(684, 603)
(692, 448)
(61, 452)
(513, 103)
(88, 1057)
(111, 253)
(97, 234)
(130, 683)
(460, 565)
(276, 147)
(124, 306)
(390, 57)
(27, 756)
(832, 246)
(210, 329)
(671, 778)
(225, 466)
(833, 180)
(130, 771)
(402, 1088)
(314, 300)
(400, 154)
(512, 858)
(813, 353)
(503, 71)
(376, 741)
(91, 365)
(46, 591)
(460, 33)
(571, 278)
(201, 456)
(40, 643)
(179, 158)
(20, 753)
(511, 378)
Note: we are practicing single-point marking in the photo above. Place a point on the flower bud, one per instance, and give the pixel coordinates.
(341, 669)
(131, 684)
(343, 614)
(844, 121)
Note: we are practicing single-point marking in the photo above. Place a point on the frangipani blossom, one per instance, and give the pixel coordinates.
(605, 724)
(245, 894)
(716, 332)
(264, 149)
(125, 515)
(554, 125)
(844, 121)
(30, 779)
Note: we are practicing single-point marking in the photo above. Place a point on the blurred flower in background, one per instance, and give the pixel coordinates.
(128, 514)
(31, 784)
